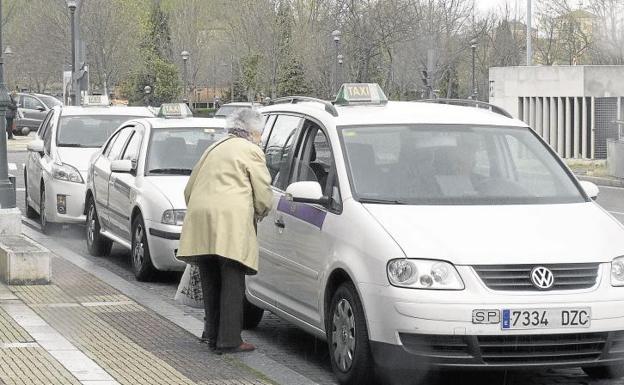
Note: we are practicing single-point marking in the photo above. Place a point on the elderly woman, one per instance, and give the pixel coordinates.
(227, 192)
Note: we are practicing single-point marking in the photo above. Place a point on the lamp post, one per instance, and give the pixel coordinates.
(147, 90)
(185, 56)
(473, 47)
(7, 191)
(336, 34)
(71, 5)
(339, 73)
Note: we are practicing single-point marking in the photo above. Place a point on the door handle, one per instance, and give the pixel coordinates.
(279, 222)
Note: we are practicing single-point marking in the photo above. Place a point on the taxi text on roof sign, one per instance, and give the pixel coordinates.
(174, 110)
(95, 100)
(360, 93)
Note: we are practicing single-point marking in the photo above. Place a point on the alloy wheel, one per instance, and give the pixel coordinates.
(343, 335)
(138, 250)
(91, 225)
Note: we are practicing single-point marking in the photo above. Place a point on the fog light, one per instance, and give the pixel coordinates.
(61, 206)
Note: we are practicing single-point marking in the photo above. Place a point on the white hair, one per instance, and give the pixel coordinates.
(244, 120)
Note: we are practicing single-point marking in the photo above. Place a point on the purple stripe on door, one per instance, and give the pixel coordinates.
(305, 212)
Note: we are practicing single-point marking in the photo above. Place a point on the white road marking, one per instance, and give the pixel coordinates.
(12, 166)
(610, 188)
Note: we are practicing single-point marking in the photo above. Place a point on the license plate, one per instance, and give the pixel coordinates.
(523, 319)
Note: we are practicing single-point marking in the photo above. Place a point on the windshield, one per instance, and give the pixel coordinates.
(228, 110)
(454, 165)
(174, 151)
(50, 101)
(88, 130)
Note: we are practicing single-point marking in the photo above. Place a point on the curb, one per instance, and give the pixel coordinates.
(600, 181)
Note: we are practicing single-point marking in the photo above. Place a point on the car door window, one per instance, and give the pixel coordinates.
(314, 161)
(44, 124)
(47, 135)
(117, 147)
(133, 147)
(278, 147)
(32, 103)
(268, 125)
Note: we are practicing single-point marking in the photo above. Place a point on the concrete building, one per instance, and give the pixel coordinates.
(574, 108)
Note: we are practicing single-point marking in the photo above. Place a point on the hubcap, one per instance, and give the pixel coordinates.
(91, 225)
(138, 251)
(343, 335)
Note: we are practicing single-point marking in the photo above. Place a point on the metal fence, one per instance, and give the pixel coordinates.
(606, 111)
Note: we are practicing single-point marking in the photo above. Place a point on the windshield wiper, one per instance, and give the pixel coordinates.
(177, 171)
(382, 201)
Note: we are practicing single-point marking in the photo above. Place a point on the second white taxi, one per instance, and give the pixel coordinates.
(135, 188)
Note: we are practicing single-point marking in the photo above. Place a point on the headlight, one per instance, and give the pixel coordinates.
(173, 217)
(617, 271)
(66, 172)
(424, 274)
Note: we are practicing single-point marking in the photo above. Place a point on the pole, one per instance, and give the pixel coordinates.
(185, 82)
(72, 12)
(7, 191)
(474, 84)
(528, 35)
(231, 79)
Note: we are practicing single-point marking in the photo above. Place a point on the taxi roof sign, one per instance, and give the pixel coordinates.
(360, 93)
(95, 100)
(174, 110)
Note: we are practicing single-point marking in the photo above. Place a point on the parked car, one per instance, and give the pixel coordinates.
(56, 166)
(416, 235)
(225, 110)
(135, 188)
(31, 110)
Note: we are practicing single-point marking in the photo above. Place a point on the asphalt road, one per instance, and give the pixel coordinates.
(281, 341)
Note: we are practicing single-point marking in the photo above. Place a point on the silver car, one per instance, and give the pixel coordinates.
(31, 110)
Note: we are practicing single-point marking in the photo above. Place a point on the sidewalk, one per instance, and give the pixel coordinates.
(80, 330)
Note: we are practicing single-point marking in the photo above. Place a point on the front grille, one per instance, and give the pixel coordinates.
(539, 349)
(571, 276)
(616, 347)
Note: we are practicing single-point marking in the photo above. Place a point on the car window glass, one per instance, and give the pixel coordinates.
(120, 141)
(267, 129)
(31, 103)
(109, 145)
(44, 125)
(47, 136)
(278, 147)
(133, 147)
(528, 170)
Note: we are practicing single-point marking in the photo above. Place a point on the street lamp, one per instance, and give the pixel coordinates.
(185, 56)
(7, 190)
(473, 47)
(339, 73)
(336, 34)
(147, 91)
(71, 5)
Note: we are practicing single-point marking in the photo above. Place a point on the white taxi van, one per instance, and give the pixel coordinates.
(135, 187)
(418, 235)
(56, 165)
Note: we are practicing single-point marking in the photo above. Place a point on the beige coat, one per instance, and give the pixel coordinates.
(229, 187)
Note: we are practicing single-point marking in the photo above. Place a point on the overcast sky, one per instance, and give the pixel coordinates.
(495, 5)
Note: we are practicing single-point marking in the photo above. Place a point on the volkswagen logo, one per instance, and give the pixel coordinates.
(542, 278)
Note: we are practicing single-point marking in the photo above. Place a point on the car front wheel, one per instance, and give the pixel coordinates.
(611, 372)
(347, 335)
(252, 315)
(97, 244)
(141, 260)
(30, 212)
(46, 227)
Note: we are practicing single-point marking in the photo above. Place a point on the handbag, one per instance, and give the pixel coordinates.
(189, 291)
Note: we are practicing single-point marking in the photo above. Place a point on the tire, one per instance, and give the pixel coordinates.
(347, 337)
(97, 244)
(46, 227)
(610, 372)
(30, 212)
(252, 315)
(141, 260)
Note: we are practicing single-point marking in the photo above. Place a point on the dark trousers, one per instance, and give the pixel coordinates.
(9, 127)
(223, 288)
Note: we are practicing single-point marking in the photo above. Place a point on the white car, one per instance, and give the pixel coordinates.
(57, 162)
(414, 235)
(135, 189)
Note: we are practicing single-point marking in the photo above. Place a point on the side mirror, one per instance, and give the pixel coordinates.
(306, 192)
(590, 189)
(36, 146)
(122, 165)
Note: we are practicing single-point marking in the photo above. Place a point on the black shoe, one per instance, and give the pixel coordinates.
(212, 343)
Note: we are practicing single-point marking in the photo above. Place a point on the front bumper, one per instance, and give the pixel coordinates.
(412, 327)
(74, 201)
(163, 243)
